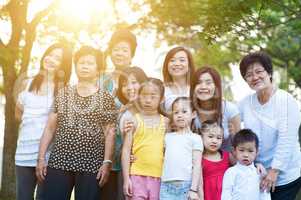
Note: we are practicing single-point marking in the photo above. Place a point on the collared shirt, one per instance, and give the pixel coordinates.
(276, 124)
(243, 183)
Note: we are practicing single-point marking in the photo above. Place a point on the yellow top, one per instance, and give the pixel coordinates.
(148, 147)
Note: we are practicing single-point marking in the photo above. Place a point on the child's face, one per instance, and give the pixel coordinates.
(213, 139)
(130, 88)
(246, 153)
(178, 64)
(149, 98)
(182, 114)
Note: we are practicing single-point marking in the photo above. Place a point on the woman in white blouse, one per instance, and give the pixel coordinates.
(32, 109)
(273, 114)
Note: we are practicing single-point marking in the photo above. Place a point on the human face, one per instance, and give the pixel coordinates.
(149, 98)
(246, 153)
(257, 77)
(53, 60)
(86, 68)
(178, 65)
(205, 88)
(130, 88)
(121, 55)
(213, 139)
(182, 114)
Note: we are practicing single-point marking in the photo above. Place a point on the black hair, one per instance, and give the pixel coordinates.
(159, 84)
(206, 125)
(123, 35)
(257, 57)
(178, 99)
(88, 50)
(137, 72)
(62, 75)
(243, 136)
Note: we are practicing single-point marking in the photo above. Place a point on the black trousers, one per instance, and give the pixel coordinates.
(288, 191)
(26, 183)
(59, 185)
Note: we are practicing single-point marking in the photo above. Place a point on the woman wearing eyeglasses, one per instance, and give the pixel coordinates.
(273, 114)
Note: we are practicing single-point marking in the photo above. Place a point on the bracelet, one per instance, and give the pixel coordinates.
(195, 191)
(41, 159)
(107, 162)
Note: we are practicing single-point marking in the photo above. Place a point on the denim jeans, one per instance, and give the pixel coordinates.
(59, 185)
(174, 190)
(26, 183)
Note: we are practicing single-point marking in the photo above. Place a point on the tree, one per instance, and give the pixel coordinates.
(14, 60)
(237, 27)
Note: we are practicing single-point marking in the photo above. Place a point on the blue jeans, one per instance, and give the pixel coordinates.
(174, 190)
(26, 183)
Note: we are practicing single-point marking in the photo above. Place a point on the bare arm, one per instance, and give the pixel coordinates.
(47, 137)
(19, 112)
(196, 175)
(104, 171)
(128, 132)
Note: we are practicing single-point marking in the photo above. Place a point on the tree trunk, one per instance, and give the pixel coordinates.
(8, 184)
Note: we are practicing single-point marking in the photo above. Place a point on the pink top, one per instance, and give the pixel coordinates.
(213, 173)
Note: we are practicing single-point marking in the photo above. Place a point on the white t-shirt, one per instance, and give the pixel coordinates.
(178, 155)
(242, 182)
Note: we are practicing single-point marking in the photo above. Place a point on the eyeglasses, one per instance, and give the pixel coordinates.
(258, 72)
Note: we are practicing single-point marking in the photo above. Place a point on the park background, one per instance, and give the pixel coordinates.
(217, 32)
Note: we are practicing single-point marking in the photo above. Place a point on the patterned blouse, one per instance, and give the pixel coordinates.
(79, 144)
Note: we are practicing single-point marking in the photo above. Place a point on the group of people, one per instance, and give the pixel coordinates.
(124, 135)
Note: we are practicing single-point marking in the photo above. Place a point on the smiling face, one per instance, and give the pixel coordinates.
(53, 60)
(130, 88)
(246, 153)
(257, 77)
(205, 88)
(213, 139)
(121, 55)
(86, 68)
(182, 114)
(178, 65)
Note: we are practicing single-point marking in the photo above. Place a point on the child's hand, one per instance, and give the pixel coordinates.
(193, 195)
(132, 158)
(127, 188)
(260, 169)
(128, 126)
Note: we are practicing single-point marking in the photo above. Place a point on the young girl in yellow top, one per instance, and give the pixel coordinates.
(144, 137)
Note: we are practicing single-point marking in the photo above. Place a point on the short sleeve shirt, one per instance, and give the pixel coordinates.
(80, 141)
(178, 155)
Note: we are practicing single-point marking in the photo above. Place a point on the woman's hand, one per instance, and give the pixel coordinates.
(103, 174)
(132, 158)
(193, 195)
(269, 182)
(41, 170)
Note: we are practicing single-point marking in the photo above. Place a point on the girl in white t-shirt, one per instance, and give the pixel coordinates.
(183, 152)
